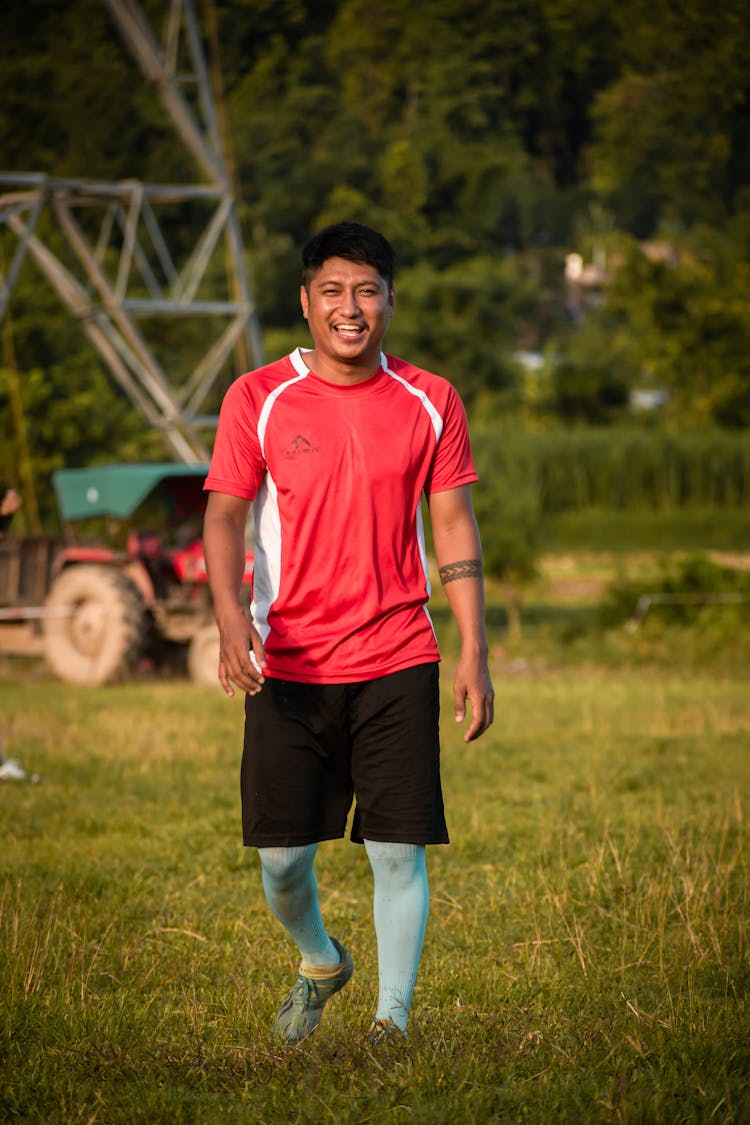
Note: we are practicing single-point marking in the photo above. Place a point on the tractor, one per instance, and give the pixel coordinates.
(99, 606)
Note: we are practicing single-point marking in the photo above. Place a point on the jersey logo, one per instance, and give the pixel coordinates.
(300, 446)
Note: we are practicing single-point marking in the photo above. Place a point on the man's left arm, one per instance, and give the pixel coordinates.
(458, 552)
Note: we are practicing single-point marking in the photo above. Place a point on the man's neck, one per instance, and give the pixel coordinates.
(343, 374)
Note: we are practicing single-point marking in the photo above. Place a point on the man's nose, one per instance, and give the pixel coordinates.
(349, 302)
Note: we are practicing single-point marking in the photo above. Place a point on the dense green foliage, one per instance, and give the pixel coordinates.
(488, 140)
(692, 590)
(530, 478)
(620, 468)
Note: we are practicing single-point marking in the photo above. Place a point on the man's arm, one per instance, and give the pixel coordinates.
(459, 557)
(224, 547)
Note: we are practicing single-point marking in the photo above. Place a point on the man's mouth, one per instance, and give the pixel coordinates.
(349, 331)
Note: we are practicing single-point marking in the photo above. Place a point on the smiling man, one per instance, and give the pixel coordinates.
(334, 447)
(347, 306)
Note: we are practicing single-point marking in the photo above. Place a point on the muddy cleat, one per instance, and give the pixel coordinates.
(300, 1013)
(383, 1030)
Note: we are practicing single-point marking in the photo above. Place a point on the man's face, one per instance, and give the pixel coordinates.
(347, 306)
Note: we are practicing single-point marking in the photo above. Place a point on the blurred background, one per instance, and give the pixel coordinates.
(566, 184)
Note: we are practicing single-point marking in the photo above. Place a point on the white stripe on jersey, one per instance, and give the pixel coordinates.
(435, 419)
(268, 407)
(300, 366)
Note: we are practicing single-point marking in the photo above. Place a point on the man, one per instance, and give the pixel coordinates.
(9, 505)
(334, 447)
(10, 502)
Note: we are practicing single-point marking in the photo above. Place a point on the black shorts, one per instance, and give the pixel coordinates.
(311, 748)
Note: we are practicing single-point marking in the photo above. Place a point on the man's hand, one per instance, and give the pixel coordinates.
(241, 651)
(472, 682)
(241, 656)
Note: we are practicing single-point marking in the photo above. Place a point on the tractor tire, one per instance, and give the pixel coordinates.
(203, 656)
(94, 626)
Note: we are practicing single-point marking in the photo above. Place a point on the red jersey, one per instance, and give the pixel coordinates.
(336, 474)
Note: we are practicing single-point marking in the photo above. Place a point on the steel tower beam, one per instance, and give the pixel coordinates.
(155, 66)
(128, 269)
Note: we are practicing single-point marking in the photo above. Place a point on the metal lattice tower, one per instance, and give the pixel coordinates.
(125, 268)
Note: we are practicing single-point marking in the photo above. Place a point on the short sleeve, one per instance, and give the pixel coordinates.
(237, 463)
(453, 464)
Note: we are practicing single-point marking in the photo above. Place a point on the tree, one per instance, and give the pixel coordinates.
(70, 410)
(673, 128)
(508, 508)
(463, 321)
(687, 321)
(476, 135)
(590, 381)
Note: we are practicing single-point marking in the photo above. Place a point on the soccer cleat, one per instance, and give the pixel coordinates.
(383, 1030)
(300, 1013)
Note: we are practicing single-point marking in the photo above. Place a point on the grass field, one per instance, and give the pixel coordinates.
(588, 953)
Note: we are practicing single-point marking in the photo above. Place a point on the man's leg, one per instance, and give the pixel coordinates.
(401, 905)
(292, 893)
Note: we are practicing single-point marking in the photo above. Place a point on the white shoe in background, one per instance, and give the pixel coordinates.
(11, 770)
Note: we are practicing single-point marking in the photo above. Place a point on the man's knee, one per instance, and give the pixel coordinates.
(286, 867)
(399, 864)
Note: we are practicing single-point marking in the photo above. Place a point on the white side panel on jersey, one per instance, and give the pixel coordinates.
(267, 569)
(425, 563)
(423, 548)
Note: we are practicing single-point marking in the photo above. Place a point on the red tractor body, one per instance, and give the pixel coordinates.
(134, 590)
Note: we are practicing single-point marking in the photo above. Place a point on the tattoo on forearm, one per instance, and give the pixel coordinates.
(465, 568)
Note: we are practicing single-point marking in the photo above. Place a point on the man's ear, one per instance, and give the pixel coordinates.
(391, 302)
(304, 300)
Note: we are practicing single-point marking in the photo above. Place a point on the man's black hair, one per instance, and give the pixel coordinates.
(355, 243)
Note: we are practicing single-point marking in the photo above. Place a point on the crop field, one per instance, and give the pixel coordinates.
(588, 952)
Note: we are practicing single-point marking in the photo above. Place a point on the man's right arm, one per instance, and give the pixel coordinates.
(224, 547)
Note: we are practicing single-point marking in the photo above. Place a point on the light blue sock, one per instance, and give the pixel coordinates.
(292, 893)
(401, 904)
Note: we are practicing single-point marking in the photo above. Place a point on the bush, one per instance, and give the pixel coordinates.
(623, 468)
(690, 579)
(507, 502)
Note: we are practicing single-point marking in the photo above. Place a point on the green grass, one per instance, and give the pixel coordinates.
(587, 958)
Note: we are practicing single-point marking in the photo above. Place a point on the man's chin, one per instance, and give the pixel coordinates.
(351, 343)
(356, 351)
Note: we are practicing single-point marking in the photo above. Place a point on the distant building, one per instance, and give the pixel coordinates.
(643, 399)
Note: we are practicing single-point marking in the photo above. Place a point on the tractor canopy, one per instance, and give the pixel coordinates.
(117, 490)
